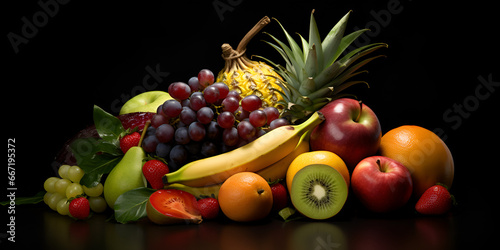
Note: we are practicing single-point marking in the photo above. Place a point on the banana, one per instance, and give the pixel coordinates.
(278, 169)
(198, 192)
(252, 157)
(271, 173)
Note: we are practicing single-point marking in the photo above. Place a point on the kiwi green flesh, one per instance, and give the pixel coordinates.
(318, 191)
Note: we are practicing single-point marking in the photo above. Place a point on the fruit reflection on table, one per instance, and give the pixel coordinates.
(343, 233)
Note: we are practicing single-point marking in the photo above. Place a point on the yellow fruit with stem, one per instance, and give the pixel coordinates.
(249, 77)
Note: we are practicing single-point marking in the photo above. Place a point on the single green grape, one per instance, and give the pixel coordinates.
(61, 185)
(49, 186)
(63, 206)
(94, 191)
(98, 204)
(73, 190)
(63, 171)
(46, 197)
(75, 174)
(54, 199)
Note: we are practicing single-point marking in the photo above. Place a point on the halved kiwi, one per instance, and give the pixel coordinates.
(318, 191)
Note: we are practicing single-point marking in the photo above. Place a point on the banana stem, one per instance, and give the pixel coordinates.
(313, 121)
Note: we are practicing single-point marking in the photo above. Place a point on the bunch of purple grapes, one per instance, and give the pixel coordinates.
(205, 119)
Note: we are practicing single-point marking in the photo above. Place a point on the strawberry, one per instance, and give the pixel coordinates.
(435, 200)
(129, 141)
(79, 208)
(280, 197)
(154, 170)
(209, 208)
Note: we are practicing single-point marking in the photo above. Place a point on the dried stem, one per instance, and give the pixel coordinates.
(228, 53)
(256, 29)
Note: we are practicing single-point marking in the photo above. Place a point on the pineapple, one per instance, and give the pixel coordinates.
(249, 77)
(319, 72)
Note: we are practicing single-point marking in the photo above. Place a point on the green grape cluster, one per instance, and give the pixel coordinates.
(61, 190)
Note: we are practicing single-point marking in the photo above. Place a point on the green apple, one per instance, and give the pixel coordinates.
(145, 102)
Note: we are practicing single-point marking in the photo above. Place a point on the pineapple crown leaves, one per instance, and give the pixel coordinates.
(318, 71)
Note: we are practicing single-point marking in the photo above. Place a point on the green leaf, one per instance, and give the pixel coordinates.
(362, 51)
(333, 39)
(108, 126)
(95, 157)
(346, 42)
(305, 46)
(315, 40)
(307, 86)
(345, 85)
(94, 168)
(328, 74)
(293, 64)
(86, 148)
(349, 72)
(297, 52)
(131, 205)
(312, 61)
(294, 53)
(320, 93)
(38, 197)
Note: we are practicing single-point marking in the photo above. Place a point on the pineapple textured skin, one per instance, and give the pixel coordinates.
(258, 79)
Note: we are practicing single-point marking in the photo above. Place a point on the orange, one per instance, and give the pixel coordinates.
(245, 196)
(423, 153)
(316, 157)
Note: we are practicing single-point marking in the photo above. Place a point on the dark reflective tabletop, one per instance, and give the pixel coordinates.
(37, 225)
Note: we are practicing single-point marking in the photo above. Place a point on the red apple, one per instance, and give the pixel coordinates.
(351, 130)
(381, 184)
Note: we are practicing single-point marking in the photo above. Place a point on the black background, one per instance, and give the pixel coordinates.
(93, 53)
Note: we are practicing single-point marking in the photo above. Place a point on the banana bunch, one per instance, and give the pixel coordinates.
(269, 155)
(271, 173)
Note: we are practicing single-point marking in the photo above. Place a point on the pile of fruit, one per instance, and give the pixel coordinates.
(205, 119)
(256, 140)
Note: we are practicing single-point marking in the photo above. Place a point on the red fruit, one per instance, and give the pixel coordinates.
(129, 141)
(280, 197)
(179, 90)
(251, 103)
(154, 170)
(205, 78)
(137, 119)
(79, 208)
(351, 130)
(435, 200)
(209, 208)
(170, 206)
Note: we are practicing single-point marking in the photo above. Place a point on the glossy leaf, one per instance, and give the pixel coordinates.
(108, 126)
(131, 205)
